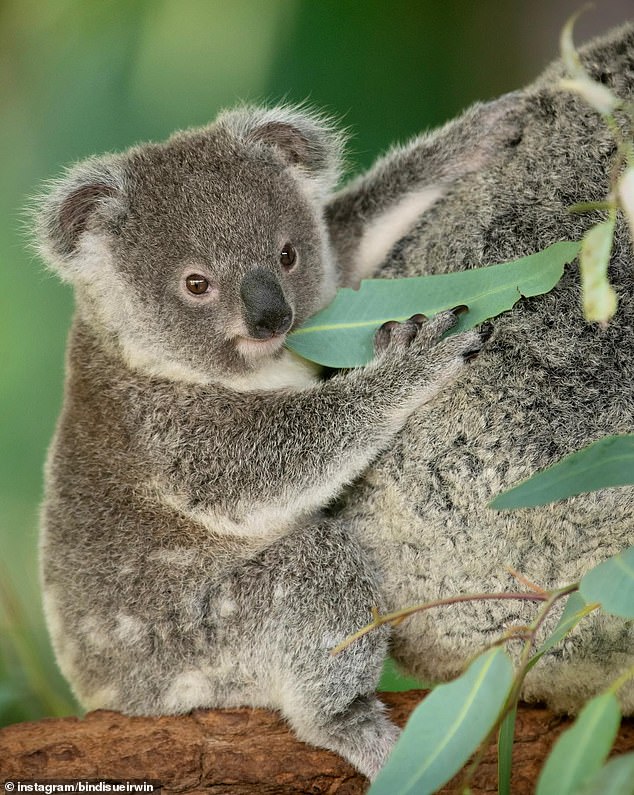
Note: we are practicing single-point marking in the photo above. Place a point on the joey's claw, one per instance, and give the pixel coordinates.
(383, 335)
(440, 323)
(399, 335)
(418, 319)
(484, 334)
(461, 309)
(486, 330)
(469, 356)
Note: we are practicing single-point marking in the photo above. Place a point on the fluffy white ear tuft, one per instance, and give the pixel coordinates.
(304, 138)
(88, 195)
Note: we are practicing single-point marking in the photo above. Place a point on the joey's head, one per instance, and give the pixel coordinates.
(195, 257)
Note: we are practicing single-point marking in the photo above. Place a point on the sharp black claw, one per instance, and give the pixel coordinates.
(460, 309)
(485, 331)
(418, 319)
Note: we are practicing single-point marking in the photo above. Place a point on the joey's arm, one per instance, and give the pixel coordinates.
(249, 458)
(274, 449)
(373, 212)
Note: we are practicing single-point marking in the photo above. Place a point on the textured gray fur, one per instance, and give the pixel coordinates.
(546, 384)
(186, 558)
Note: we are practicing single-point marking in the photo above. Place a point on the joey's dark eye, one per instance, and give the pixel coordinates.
(197, 284)
(288, 255)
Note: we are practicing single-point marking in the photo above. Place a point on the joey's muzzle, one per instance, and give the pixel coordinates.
(265, 309)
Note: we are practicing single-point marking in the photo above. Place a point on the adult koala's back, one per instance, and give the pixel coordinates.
(547, 384)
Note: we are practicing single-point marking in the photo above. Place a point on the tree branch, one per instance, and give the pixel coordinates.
(235, 752)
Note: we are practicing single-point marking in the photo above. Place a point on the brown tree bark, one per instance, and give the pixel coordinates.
(235, 752)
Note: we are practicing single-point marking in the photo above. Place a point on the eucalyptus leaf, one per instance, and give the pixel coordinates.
(608, 462)
(394, 680)
(616, 778)
(342, 334)
(582, 749)
(611, 583)
(506, 736)
(599, 297)
(597, 95)
(569, 54)
(447, 727)
(625, 191)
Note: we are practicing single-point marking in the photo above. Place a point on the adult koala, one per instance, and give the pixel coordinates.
(547, 384)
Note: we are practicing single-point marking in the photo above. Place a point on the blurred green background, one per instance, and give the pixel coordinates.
(85, 76)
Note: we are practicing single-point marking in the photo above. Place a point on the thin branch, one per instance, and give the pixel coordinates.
(525, 581)
(398, 616)
(589, 207)
(622, 679)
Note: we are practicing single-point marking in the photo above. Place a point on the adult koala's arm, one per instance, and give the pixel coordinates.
(377, 209)
(548, 384)
(370, 214)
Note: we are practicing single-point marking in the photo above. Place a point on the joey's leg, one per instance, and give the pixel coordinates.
(323, 590)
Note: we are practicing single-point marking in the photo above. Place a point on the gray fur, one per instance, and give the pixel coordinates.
(547, 384)
(186, 561)
(186, 557)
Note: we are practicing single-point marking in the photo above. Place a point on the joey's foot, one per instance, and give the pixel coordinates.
(361, 733)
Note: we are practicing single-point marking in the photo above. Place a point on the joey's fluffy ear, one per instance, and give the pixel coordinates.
(305, 139)
(84, 199)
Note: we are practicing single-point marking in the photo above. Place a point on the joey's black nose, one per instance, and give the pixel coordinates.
(265, 308)
(271, 324)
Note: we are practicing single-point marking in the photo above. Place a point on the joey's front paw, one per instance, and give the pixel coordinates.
(397, 335)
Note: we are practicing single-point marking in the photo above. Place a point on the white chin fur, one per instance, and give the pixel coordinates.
(286, 371)
(251, 348)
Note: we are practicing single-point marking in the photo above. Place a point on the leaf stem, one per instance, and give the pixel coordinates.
(399, 615)
(622, 679)
(588, 207)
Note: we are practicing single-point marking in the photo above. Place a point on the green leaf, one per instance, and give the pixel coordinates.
(599, 298)
(393, 680)
(616, 778)
(581, 750)
(506, 735)
(569, 54)
(611, 583)
(608, 462)
(342, 334)
(447, 727)
(597, 95)
(575, 610)
(625, 191)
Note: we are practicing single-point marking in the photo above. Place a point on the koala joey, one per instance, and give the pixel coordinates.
(547, 384)
(186, 558)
